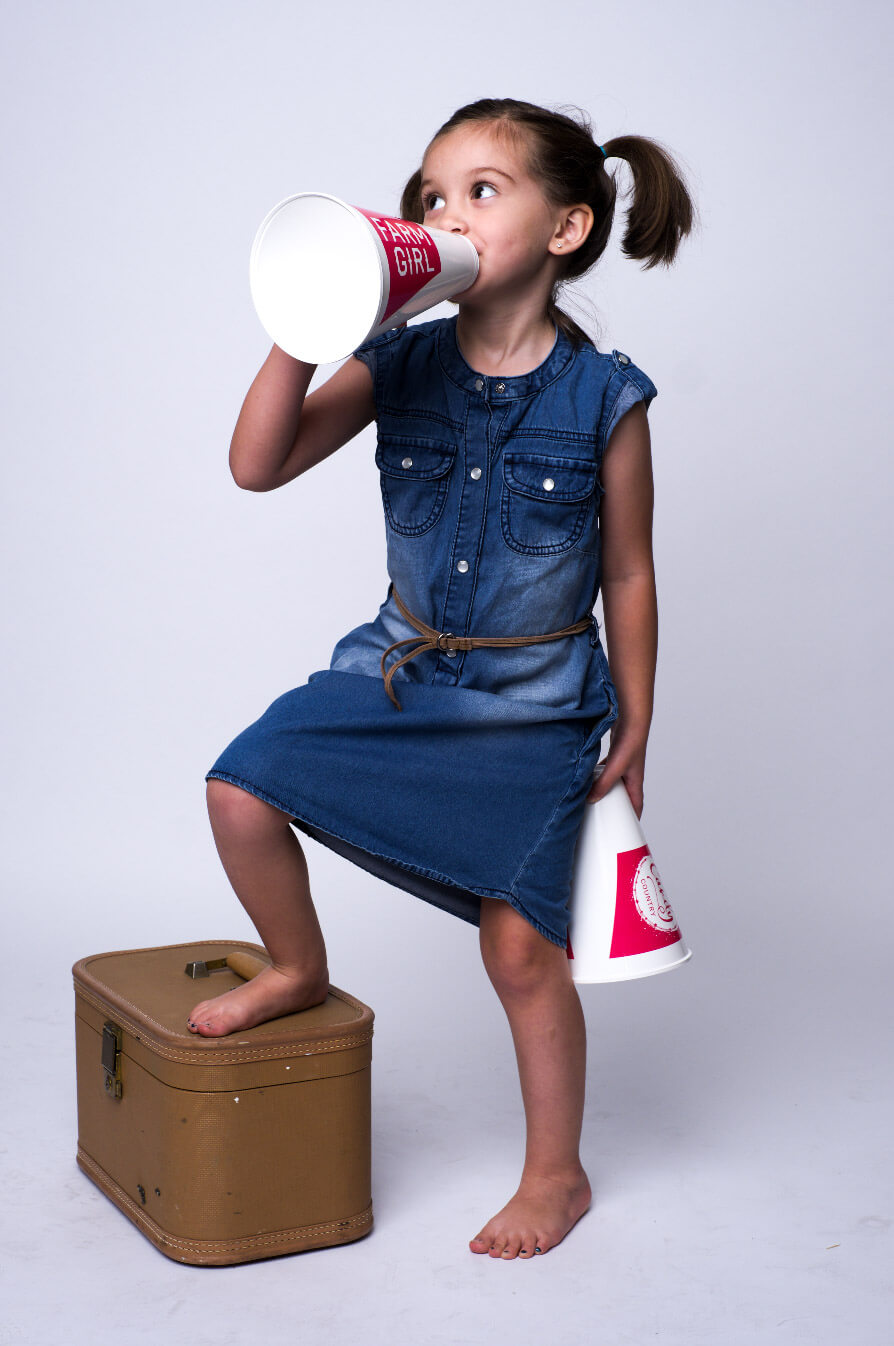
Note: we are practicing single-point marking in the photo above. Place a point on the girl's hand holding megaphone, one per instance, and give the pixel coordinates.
(626, 761)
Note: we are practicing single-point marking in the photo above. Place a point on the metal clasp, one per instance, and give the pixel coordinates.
(445, 635)
(111, 1058)
(199, 969)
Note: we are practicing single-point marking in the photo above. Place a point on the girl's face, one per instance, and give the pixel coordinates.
(476, 184)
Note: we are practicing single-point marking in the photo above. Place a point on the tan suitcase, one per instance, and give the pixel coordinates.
(228, 1149)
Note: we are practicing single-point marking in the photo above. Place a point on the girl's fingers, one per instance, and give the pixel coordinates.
(635, 794)
(611, 773)
(604, 781)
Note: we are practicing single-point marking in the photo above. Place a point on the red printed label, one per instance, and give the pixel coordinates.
(413, 257)
(644, 919)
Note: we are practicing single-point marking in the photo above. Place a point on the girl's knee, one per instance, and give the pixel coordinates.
(516, 955)
(234, 810)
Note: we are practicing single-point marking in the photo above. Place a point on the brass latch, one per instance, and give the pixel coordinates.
(111, 1058)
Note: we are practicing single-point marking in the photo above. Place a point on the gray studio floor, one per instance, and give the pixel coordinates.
(736, 1137)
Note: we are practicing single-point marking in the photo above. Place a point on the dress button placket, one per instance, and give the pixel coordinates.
(467, 532)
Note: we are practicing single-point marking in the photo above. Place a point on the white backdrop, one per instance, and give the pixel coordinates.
(154, 609)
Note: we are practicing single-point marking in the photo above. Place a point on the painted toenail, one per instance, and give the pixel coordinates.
(538, 1250)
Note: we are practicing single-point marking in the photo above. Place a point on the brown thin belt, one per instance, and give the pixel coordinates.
(446, 640)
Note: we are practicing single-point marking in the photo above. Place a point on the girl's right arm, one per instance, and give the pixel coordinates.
(281, 433)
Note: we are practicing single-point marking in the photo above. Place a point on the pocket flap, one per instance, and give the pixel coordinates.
(546, 477)
(413, 458)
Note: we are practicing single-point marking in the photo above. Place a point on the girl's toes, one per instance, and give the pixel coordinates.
(479, 1245)
(511, 1248)
(202, 1021)
(499, 1244)
(198, 1016)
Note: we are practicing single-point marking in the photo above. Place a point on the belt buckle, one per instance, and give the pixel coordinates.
(444, 635)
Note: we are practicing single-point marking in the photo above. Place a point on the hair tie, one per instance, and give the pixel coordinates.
(602, 147)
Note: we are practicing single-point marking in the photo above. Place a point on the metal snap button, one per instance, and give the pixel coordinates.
(475, 473)
(548, 483)
(624, 359)
(479, 384)
(462, 566)
(406, 462)
(501, 387)
(451, 654)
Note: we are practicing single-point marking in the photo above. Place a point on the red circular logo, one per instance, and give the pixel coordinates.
(649, 897)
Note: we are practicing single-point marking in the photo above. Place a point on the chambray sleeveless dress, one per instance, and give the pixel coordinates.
(491, 491)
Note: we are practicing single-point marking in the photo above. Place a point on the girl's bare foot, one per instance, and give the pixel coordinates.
(536, 1219)
(267, 996)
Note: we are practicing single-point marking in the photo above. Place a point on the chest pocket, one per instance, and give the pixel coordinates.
(545, 501)
(415, 475)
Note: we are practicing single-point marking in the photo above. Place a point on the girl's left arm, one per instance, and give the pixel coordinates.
(629, 600)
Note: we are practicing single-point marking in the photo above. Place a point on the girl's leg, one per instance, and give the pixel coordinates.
(266, 866)
(532, 979)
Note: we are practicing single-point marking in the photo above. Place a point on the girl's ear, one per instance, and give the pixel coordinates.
(572, 230)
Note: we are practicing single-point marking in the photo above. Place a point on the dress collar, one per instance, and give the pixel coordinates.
(494, 387)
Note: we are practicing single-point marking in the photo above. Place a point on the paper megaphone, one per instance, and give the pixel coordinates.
(326, 276)
(622, 924)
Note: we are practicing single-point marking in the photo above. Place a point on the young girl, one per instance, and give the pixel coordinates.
(516, 478)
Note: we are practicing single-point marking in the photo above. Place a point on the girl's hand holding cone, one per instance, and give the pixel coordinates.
(626, 761)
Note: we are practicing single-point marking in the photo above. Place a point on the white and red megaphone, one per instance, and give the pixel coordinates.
(326, 276)
(622, 925)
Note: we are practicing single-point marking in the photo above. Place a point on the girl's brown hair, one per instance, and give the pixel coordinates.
(563, 157)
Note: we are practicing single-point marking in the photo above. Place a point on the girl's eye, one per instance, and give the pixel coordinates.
(428, 202)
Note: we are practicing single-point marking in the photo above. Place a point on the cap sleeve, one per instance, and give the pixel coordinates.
(634, 386)
(376, 355)
(367, 353)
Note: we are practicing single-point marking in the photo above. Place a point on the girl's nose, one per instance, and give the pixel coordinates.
(452, 223)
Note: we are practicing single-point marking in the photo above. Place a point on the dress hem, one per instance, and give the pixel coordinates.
(404, 865)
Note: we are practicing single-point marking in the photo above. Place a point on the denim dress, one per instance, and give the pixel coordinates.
(477, 786)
